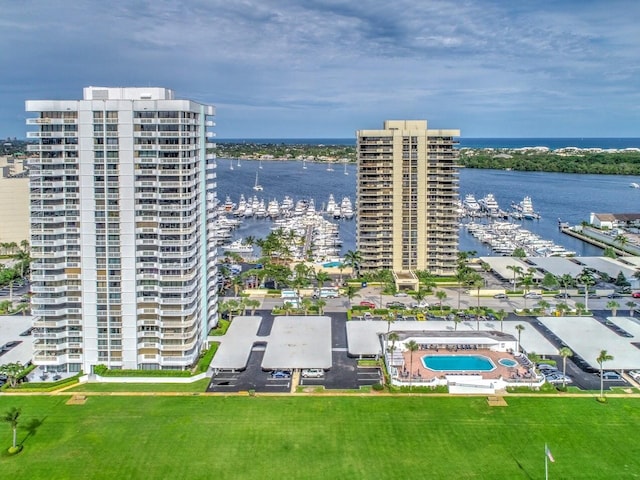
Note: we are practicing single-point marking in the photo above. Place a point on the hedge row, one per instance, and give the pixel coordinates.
(103, 371)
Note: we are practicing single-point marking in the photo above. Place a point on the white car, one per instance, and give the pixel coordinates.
(635, 374)
(312, 373)
(401, 294)
(533, 295)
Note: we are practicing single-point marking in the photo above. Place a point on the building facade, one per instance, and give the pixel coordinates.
(122, 274)
(14, 201)
(407, 193)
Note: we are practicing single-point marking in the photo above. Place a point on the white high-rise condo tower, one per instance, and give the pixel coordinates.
(122, 273)
(407, 192)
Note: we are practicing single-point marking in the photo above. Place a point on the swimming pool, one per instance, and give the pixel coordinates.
(507, 362)
(331, 264)
(458, 363)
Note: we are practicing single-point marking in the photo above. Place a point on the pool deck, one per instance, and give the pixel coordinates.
(425, 374)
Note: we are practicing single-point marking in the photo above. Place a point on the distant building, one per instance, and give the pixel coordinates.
(407, 193)
(609, 221)
(14, 200)
(122, 271)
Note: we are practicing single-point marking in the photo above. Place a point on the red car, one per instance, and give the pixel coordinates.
(635, 294)
(367, 304)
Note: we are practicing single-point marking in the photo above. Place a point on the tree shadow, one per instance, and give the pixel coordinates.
(521, 467)
(31, 427)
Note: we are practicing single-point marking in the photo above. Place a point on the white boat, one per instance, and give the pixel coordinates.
(330, 167)
(273, 210)
(287, 204)
(237, 247)
(470, 203)
(304, 163)
(242, 205)
(489, 204)
(260, 164)
(635, 185)
(526, 208)
(257, 187)
(345, 167)
(261, 211)
(346, 208)
(228, 204)
(331, 205)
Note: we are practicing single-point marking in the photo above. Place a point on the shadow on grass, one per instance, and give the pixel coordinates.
(31, 427)
(521, 467)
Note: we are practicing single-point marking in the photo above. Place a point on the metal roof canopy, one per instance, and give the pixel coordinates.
(587, 337)
(299, 342)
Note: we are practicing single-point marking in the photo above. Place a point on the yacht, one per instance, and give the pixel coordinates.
(489, 204)
(526, 208)
(331, 205)
(242, 205)
(261, 211)
(273, 210)
(228, 204)
(635, 185)
(346, 208)
(470, 203)
(237, 247)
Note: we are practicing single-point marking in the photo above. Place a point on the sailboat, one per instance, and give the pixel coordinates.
(345, 167)
(330, 167)
(304, 163)
(238, 161)
(257, 187)
(231, 164)
(260, 165)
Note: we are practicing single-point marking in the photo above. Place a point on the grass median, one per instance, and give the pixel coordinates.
(322, 438)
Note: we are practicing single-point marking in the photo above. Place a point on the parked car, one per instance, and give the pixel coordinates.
(562, 295)
(366, 303)
(400, 294)
(398, 305)
(367, 316)
(613, 376)
(614, 295)
(421, 304)
(500, 295)
(635, 294)
(533, 295)
(280, 374)
(312, 373)
(635, 374)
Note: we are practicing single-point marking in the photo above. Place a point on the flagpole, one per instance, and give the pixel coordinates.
(546, 463)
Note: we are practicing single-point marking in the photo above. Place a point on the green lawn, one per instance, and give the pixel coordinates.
(196, 437)
(197, 386)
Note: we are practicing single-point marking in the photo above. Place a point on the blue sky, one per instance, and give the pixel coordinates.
(312, 68)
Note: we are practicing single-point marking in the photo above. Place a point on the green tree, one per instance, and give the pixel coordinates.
(609, 252)
(564, 353)
(412, 346)
(11, 417)
(613, 306)
(544, 306)
(441, 295)
(320, 303)
(519, 253)
(621, 280)
(603, 357)
(586, 279)
(252, 304)
(13, 372)
(517, 271)
(580, 308)
(353, 259)
(322, 277)
(565, 281)
(549, 281)
(393, 337)
(501, 315)
(632, 307)
(306, 305)
(519, 329)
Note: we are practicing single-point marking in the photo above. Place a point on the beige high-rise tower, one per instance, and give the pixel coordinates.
(407, 192)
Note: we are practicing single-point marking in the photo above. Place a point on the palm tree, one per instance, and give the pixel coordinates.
(580, 309)
(320, 304)
(621, 240)
(353, 259)
(456, 321)
(517, 271)
(586, 278)
(632, 307)
(519, 328)
(461, 277)
(441, 295)
(564, 353)
(253, 304)
(543, 305)
(412, 346)
(393, 337)
(501, 315)
(527, 282)
(390, 319)
(321, 278)
(565, 281)
(11, 417)
(613, 306)
(603, 357)
(306, 304)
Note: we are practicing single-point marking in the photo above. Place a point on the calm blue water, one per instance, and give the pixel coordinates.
(552, 143)
(457, 363)
(570, 197)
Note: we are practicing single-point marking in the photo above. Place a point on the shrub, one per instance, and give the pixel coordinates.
(206, 357)
(377, 387)
(103, 371)
(220, 329)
